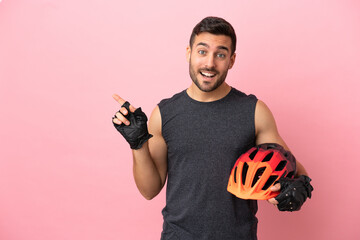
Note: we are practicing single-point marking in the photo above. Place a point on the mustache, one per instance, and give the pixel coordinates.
(209, 70)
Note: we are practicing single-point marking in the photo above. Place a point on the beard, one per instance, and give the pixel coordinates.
(206, 86)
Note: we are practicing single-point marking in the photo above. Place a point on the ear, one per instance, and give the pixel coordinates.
(232, 60)
(188, 53)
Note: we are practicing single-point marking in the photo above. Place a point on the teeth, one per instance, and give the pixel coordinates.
(207, 74)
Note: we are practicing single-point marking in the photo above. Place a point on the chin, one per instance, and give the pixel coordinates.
(207, 88)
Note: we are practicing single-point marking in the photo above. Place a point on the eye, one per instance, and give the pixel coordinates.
(201, 52)
(220, 55)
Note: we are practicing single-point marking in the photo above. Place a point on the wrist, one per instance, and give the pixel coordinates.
(143, 148)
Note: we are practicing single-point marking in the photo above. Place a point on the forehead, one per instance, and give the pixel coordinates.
(212, 40)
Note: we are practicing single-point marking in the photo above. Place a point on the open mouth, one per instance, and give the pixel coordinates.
(207, 74)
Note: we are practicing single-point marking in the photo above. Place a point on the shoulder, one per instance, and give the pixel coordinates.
(168, 101)
(155, 120)
(262, 112)
(261, 106)
(264, 119)
(265, 126)
(164, 105)
(170, 106)
(241, 95)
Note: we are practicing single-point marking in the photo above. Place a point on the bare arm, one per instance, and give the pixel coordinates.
(266, 131)
(150, 161)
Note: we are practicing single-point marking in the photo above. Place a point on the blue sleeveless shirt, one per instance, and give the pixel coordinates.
(204, 139)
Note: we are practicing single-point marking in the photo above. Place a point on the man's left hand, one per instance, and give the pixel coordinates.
(275, 188)
(293, 193)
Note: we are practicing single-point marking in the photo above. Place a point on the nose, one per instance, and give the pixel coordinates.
(210, 61)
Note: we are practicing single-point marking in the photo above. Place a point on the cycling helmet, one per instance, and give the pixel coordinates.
(257, 170)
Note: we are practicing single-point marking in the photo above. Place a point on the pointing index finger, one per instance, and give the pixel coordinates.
(118, 99)
(122, 101)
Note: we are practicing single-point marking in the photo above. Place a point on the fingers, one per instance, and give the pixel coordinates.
(122, 101)
(273, 201)
(118, 99)
(120, 115)
(276, 187)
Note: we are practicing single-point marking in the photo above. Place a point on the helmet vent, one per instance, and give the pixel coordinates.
(235, 174)
(291, 174)
(253, 154)
(258, 174)
(268, 157)
(244, 172)
(270, 181)
(281, 166)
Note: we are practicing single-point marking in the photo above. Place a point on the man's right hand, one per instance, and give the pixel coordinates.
(133, 127)
(150, 162)
(119, 116)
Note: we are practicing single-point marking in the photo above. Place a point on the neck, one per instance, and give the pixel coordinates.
(195, 93)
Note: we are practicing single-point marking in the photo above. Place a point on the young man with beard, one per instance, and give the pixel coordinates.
(193, 140)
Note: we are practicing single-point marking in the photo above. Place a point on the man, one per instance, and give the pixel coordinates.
(194, 139)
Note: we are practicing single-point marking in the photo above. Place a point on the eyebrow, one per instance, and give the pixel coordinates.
(206, 45)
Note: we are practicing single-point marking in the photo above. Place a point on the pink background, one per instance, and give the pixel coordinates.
(65, 173)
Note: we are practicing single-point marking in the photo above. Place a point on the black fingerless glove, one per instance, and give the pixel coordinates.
(293, 193)
(136, 134)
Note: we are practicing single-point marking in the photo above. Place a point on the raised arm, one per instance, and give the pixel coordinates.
(150, 160)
